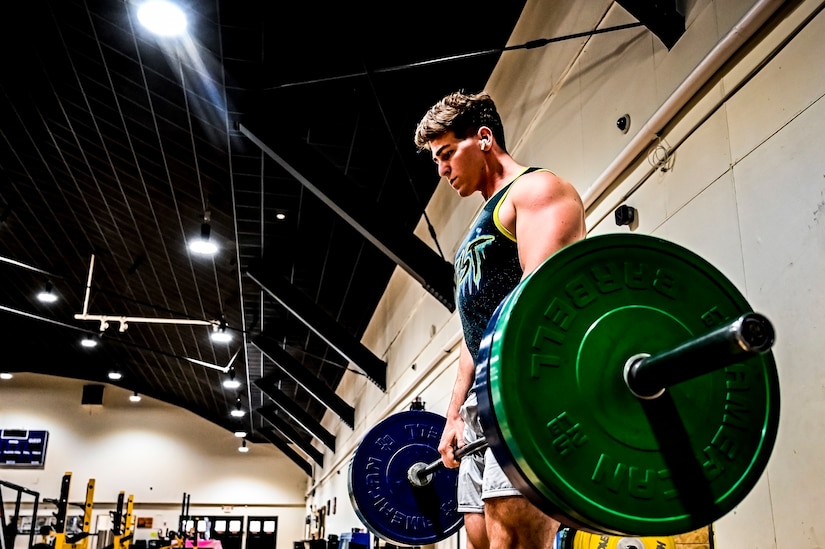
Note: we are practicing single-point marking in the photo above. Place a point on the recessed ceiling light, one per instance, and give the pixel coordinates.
(162, 18)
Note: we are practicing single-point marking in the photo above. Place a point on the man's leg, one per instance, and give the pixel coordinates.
(476, 531)
(513, 522)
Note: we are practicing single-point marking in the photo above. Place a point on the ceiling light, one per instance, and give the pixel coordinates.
(5, 375)
(115, 375)
(162, 18)
(280, 216)
(47, 295)
(203, 245)
(242, 448)
(231, 383)
(135, 397)
(89, 342)
(237, 411)
(219, 333)
(240, 434)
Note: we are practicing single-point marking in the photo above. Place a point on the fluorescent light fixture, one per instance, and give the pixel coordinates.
(162, 18)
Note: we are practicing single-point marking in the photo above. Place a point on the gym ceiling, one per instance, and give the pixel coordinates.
(117, 146)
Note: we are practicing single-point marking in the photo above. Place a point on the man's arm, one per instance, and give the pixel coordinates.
(548, 215)
(453, 435)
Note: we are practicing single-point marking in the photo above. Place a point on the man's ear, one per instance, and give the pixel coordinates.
(485, 138)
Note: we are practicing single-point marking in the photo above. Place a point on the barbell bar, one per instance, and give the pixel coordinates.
(586, 433)
(420, 474)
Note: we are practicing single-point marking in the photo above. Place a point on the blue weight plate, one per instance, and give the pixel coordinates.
(382, 496)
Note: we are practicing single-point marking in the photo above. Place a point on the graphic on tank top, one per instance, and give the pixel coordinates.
(487, 268)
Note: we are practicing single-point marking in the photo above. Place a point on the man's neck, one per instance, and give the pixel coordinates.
(500, 171)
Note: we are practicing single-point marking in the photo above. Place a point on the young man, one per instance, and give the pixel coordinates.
(529, 215)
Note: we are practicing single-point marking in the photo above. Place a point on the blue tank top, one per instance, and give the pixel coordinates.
(487, 268)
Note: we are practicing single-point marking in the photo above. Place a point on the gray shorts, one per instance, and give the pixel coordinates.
(479, 475)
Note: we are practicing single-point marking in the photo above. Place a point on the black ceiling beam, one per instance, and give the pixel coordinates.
(324, 180)
(270, 435)
(302, 418)
(665, 18)
(305, 379)
(289, 432)
(322, 324)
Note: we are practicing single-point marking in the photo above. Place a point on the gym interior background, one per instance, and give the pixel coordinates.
(722, 154)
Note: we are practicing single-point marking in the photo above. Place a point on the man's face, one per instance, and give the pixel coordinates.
(460, 161)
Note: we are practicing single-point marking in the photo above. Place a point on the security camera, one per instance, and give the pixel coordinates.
(623, 123)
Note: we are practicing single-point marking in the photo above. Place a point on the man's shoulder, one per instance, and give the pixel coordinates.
(538, 180)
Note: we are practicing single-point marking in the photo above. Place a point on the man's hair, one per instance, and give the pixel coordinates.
(461, 113)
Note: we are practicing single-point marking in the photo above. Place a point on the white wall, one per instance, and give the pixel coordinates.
(745, 189)
(151, 450)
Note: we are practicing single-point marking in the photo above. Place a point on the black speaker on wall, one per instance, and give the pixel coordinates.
(92, 394)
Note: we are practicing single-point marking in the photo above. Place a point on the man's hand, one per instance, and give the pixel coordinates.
(451, 439)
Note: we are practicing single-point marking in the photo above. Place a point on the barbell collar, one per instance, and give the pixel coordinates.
(420, 474)
(647, 376)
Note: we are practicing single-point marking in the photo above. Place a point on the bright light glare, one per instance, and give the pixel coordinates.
(231, 384)
(162, 18)
(134, 398)
(5, 375)
(240, 434)
(88, 342)
(243, 449)
(203, 247)
(237, 413)
(47, 297)
(221, 336)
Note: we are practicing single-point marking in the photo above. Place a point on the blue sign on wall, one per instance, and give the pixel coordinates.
(23, 448)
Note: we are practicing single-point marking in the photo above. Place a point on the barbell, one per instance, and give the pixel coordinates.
(626, 388)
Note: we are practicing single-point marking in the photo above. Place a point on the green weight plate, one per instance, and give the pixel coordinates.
(576, 440)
